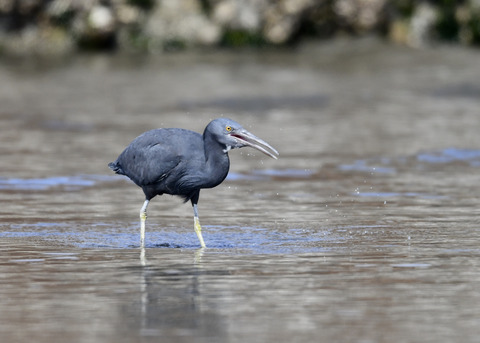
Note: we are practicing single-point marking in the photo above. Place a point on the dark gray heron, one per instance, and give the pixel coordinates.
(181, 162)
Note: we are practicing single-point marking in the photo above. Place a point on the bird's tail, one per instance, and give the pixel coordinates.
(115, 166)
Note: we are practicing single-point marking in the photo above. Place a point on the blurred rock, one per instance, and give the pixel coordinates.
(361, 15)
(6, 6)
(399, 31)
(42, 42)
(180, 21)
(101, 19)
(283, 18)
(468, 18)
(422, 25)
(127, 14)
(159, 25)
(239, 15)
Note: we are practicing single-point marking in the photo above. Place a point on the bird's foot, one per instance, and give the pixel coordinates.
(198, 231)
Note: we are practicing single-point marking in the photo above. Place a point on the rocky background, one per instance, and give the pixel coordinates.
(59, 27)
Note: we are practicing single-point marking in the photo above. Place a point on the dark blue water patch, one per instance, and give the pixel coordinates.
(462, 90)
(37, 225)
(391, 165)
(65, 182)
(286, 173)
(451, 155)
(247, 239)
(260, 240)
(27, 260)
(70, 234)
(232, 176)
(44, 184)
(368, 166)
(399, 194)
(266, 174)
(219, 238)
(78, 182)
(22, 234)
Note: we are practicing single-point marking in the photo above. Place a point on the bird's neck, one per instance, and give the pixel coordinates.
(217, 162)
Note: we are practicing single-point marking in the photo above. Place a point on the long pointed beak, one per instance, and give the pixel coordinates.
(246, 138)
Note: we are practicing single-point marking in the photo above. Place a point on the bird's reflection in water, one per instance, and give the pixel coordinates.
(172, 302)
(197, 257)
(143, 258)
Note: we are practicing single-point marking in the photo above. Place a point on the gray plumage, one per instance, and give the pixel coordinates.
(181, 162)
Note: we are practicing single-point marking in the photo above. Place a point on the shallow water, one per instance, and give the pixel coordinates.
(365, 230)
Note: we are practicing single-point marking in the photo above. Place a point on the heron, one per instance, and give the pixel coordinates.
(182, 162)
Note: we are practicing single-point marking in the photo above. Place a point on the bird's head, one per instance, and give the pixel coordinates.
(231, 134)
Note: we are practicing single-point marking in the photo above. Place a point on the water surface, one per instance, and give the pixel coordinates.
(365, 230)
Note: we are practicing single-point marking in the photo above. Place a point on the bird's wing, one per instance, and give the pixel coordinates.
(152, 156)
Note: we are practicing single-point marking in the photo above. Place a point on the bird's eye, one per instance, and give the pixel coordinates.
(228, 128)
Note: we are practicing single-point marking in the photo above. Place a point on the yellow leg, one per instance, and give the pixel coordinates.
(198, 228)
(198, 231)
(143, 219)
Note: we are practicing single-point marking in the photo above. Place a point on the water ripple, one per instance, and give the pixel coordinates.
(249, 239)
(66, 182)
(451, 155)
(384, 165)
